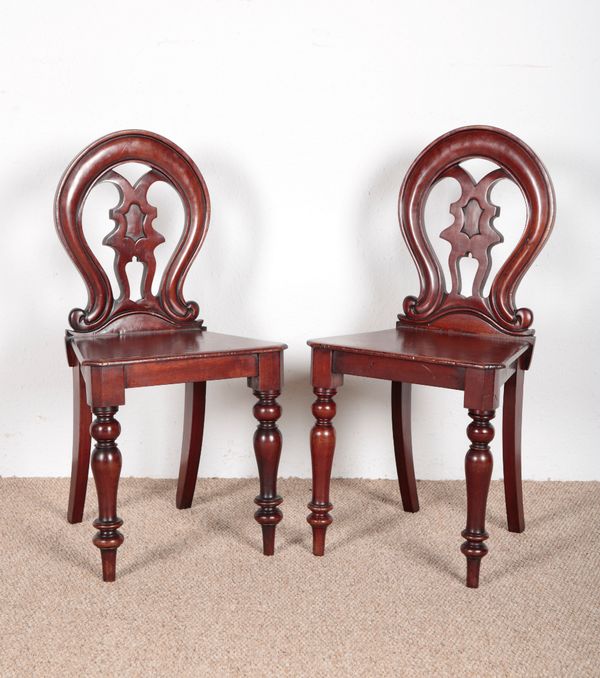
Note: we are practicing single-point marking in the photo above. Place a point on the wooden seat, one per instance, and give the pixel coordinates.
(430, 347)
(466, 340)
(182, 346)
(117, 342)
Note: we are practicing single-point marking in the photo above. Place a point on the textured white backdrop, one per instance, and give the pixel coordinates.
(303, 118)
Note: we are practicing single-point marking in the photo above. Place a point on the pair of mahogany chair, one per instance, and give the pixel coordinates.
(473, 342)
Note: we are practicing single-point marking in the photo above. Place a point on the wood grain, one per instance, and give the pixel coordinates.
(120, 343)
(449, 338)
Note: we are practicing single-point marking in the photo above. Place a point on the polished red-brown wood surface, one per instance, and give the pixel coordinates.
(432, 347)
(133, 236)
(449, 337)
(128, 342)
(473, 232)
(116, 349)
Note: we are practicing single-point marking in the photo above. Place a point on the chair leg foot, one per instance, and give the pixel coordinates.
(473, 565)
(106, 467)
(109, 564)
(267, 448)
(268, 535)
(318, 533)
(319, 530)
(478, 471)
(322, 448)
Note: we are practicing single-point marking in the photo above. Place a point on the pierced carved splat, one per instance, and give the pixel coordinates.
(133, 236)
(472, 233)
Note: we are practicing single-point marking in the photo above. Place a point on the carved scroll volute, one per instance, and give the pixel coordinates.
(170, 164)
(438, 160)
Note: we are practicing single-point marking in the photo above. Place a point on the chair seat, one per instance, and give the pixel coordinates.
(488, 352)
(125, 349)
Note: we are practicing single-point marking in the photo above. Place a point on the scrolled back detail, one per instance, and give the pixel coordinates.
(133, 236)
(472, 232)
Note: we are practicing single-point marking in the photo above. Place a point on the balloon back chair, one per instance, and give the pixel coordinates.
(452, 338)
(120, 342)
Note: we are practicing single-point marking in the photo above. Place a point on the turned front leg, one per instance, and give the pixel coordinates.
(267, 447)
(322, 447)
(478, 471)
(106, 467)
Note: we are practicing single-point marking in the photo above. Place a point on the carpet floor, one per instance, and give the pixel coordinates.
(195, 597)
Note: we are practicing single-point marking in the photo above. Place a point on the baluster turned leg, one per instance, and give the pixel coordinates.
(106, 467)
(322, 447)
(478, 470)
(267, 448)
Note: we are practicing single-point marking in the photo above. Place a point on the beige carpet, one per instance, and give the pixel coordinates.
(194, 596)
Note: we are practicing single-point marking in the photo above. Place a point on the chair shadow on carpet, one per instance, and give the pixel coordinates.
(386, 513)
(205, 500)
(383, 514)
(86, 558)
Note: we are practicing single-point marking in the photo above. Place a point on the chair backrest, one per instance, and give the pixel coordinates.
(133, 236)
(472, 232)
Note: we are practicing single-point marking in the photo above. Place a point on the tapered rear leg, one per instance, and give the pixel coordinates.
(193, 430)
(82, 418)
(401, 396)
(511, 452)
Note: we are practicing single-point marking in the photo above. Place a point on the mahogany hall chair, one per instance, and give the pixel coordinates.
(459, 339)
(120, 343)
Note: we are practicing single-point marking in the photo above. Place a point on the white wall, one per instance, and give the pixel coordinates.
(303, 117)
